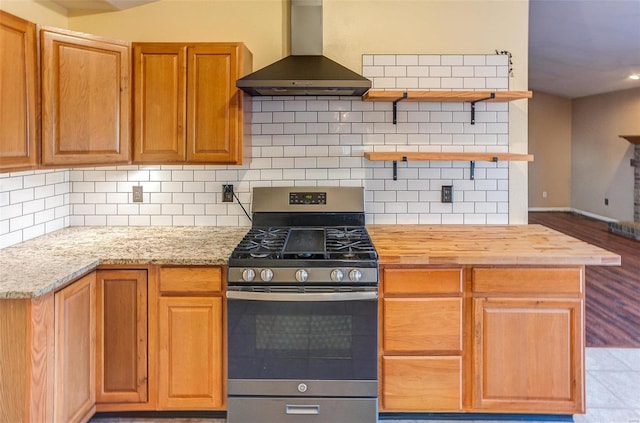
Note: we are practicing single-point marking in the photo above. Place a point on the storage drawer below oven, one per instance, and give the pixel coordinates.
(302, 410)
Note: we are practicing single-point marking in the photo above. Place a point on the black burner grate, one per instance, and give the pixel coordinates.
(334, 242)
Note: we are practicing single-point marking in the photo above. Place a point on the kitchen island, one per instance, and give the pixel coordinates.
(473, 318)
(482, 319)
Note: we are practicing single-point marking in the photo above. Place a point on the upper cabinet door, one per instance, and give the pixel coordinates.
(214, 104)
(86, 98)
(186, 105)
(159, 102)
(19, 94)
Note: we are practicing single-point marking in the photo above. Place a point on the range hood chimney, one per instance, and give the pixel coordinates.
(306, 71)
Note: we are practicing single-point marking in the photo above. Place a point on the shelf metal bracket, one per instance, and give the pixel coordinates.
(473, 108)
(395, 107)
(395, 167)
(472, 169)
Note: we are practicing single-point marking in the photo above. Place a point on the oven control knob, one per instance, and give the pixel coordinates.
(355, 275)
(266, 275)
(302, 387)
(337, 275)
(302, 275)
(248, 275)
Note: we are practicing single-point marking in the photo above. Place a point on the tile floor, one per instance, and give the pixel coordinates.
(613, 392)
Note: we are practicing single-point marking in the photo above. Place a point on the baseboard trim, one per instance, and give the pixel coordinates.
(550, 209)
(573, 210)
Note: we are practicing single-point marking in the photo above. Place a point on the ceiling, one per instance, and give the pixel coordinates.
(100, 5)
(583, 47)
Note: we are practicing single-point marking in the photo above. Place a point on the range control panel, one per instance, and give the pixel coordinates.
(312, 198)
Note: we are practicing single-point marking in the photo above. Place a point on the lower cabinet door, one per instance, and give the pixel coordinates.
(75, 351)
(420, 383)
(528, 355)
(121, 337)
(190, 357)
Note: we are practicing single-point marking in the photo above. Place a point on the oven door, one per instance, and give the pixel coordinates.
(304, 344)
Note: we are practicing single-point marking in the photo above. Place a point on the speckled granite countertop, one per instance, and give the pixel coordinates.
(42, 264)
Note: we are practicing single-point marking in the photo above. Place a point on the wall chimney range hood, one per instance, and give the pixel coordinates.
(306, 71)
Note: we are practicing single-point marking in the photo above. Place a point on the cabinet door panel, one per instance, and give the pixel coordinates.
(422, 383)
(20, 94)
(190, 360)
(422, 281)
(159, 103)
(85, 92)
(422, 324)
(212, 111)
(190, 280)
(554, 280)
(75, 351)
(122, 336)
(528, 355)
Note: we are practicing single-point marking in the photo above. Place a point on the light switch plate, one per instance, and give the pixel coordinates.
(447, 194)
(137, 194)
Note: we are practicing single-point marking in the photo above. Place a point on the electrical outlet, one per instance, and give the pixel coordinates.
(137, 194)
(544, 194)
(227, 193)
(447, 194)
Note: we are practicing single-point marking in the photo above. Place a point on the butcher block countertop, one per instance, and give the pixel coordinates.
(484, 245)
(43, 264)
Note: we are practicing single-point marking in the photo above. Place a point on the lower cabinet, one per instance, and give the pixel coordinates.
(528, 340)
(422, 383)
(121, 306)
(421, 340)
(482, 339)
(75, 351)
(190, 339)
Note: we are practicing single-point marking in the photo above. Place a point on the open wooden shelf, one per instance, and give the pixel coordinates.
(445, 96)
(408, 156)
(472, 97)
(633, 139)
(471, 157)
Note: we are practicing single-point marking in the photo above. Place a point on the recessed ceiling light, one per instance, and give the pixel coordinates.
(634, 76)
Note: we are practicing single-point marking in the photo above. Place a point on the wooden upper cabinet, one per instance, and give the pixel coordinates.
(159, 102)
(19, 94)
(85, 99)
(186, 105)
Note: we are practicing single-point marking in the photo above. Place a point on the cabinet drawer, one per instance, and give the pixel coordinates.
(191, 279)
(422, 281)
(525, 280)
(422, 324)
(421, 383)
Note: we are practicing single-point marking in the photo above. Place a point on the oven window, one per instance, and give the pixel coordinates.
(302, 340)
(302, 333)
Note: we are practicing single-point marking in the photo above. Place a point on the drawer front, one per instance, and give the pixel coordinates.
(422, 281)
(191, 279)
(422, 324)
(421, 383)
(525, 280)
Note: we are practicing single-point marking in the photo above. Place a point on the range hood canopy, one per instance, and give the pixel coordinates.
(306, 71)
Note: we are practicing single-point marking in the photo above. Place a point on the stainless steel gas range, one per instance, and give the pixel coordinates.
(302, 311)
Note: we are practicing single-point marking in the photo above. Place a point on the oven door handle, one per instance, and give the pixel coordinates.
(316, 296)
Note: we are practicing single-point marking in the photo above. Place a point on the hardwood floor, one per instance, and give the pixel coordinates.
(612, 292)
